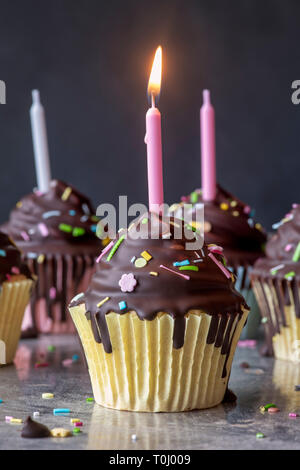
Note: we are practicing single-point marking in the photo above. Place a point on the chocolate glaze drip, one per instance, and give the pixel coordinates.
(32, 429)
(234, 228)
(208, 289)
(11, 263)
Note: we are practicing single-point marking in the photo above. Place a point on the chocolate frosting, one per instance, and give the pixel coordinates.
(207, 289)
(10, 260)
(229, 223)
(32, 429)
(45, 222)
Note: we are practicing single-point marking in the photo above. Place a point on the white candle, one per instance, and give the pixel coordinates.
(40, 143)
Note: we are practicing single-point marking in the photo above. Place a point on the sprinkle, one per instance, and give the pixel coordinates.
(133, 259)
(197, 254)
(288, 247)
(31, 255)
(235, 213)
(41, 364)
(247, 209)
(65, 228)
(59, 411)
(74, 420)
(46, 215)
(274, 270)
(133, 437)
(220, 265)
(293, 415)
(153, 273)
(259, 435)
(24, 235)
(289, 276)
(78, 231)
(127, 282)
(51, 348)
(296, 255)
(36, 414)
(103, 302)
(273, 409)
(258, 226)
(94, 228)
(16, 421)
(215, 249)
(2, 253)
(60, 432)
(146, 255)
(52, 293)
(264, 320)
(1, 401)
(115, 247)
(75, 358)
(15, 270)
(19, 204)
(89, 400)
(140, 263)
(43, 229)
(72, 212)
(247, 343)
(233, 203)
(145, 220)
(269, 405)
(188, 268)
(251, 222)
(76, 430)
(276, 226)
(122, 305)
(86, 208)
(105, 250)
(181, 263)
(47, 396)
(198, 261)
(224, 206)
(174, 272)
(66, 193)
(40, 258)
(8, 418)
(194, 197)
(8, 277)
(67, 362)
(78, 424)
(77, 297)
(84, 218)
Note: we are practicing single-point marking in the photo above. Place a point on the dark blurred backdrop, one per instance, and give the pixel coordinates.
(91, 61)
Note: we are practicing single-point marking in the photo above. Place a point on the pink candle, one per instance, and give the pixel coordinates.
(153, 139)
(208, 148)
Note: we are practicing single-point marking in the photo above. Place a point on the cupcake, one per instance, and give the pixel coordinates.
(229, 222)
(56, 232)
(16, 282)
(275, 280)
(159, 323)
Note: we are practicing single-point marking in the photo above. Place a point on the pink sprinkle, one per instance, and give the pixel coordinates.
(183, 198)
(67, 362)
(79, 424)
(43, 229)
(15, 270)
(105, 250)
(220, 265)
(175, 272)
(8, 418)
(247, 343)
(41, 364)
(52, 293)
(295, 205)
(288, 247)
(8, 276)
(38, 192)
(247, 209)
(216, 249)
(293, 415)
(25, 236)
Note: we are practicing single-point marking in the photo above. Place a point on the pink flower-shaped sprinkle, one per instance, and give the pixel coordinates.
(127, 282)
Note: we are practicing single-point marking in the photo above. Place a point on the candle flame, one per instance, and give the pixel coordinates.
(155, 76)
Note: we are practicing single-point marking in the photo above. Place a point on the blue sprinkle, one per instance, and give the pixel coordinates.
(2, 253)
(1, 401)
(72, 212)
(181, 263)
(46, 215)
(75, 357)
(59, 411)
(94, 228)
(122, 305)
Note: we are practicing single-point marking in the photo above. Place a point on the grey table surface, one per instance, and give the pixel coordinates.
(226, 426)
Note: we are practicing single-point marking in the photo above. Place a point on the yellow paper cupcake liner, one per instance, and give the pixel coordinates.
(14, 297)
(145, 373)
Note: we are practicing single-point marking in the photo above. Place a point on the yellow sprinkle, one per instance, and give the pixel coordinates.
(105, 241)
(140, 263)
(48, 396)
(103, 301)
(75, 420)
(233, 203)
(258, 226)
(224, 206)
(40, 259)
(66, 193)
(153, 273)
(19, 204)
(16, 421)
(236, 213)
(146, 255)
(60, 432)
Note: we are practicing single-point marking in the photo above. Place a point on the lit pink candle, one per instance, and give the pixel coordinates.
(208, 148)
(153, 139)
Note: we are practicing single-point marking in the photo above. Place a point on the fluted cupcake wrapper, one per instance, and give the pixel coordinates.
(145, 373)
(279, 305)
(59, 278)
(14, 297)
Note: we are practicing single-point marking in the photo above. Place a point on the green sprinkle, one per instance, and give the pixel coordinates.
(76, 431)
(296, 255)
(145, 220)
(290, 275)
(65, 228)
(259, 435)
(264, 320)
(89, 400)
(115, 247)
(194, 197)
(78, 231)
(188, 268)
(51, 348)
(270, 405)
(94, 218)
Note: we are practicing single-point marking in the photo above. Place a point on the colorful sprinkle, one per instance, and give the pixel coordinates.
(233, 203)
(122, 305)
(43, 229)
(75, 357)
(25, 236)
(86, 208)
(41, 364)
(235, 213)
(140, 263)
(296, 255)
(174, 272)
(89, 400)
(127, 282)
(47, 396)
(288, 247)
(166, 235)
(60, 432)
(78, 231)
(94, 228)
(247, 209)
(145, 220)
(16, 421)
(194, 197)
(259, 435)
(289, 276)
(264, 320)
(153, 273)
(220, 265)
(41, 259)
(74, 420)
(46, 215)
(104, 251)
(51, 348)
(15, 270)
(77, 297)
(76, 430)
(293, 415)
(269, 405)
(2, 253)
(52, 293)
(36, 414)
(103, 302)
(215, 249)
(224, 206)
(8, 418)
(67, 362)
(273, 409)
(181, 263)
(65, 228)
(276, 268)
(146, 255)
(78, 424)
(59, 411)
(189, 268)
(115, 247)
(72, 212)
(66, 194)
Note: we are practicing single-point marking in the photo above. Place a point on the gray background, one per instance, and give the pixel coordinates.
(91, 61)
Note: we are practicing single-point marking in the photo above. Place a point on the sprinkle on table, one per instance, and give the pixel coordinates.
(146, 255)
(16, 421)
(273, 409)
(89, 400)
(61, 411)
(259, 435)
(293, 415)
(51, 348)
(103, 302)
(47, 396)
(296, 255)
(288, 247)
(175, 272)
(66, 194)
(115, 247)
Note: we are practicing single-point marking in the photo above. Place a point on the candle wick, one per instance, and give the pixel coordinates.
(152, 100)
